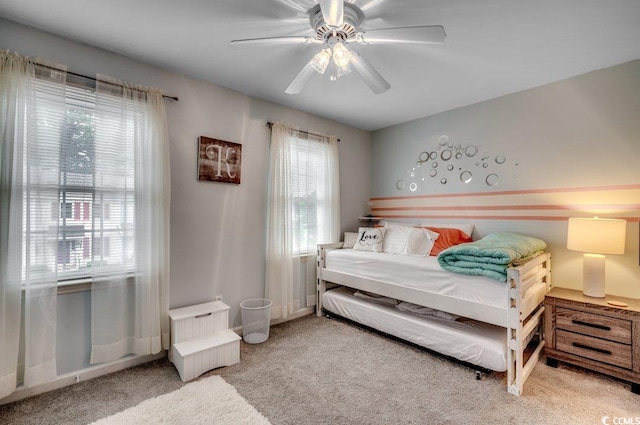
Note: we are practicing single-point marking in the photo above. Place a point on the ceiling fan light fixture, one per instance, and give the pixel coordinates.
(342, 70)
(341, 55)
(321, 60)
(337, 23)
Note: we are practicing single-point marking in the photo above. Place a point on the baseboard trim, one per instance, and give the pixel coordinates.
(104, 369)
(80, 375)
(300, 313)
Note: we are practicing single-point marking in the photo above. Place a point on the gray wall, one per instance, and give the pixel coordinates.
(580, 132)
(217, 230)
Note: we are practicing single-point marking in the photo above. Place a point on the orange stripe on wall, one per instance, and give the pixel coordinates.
(495, 217)
(515, 192)
(486, 217)
(517, 205)
(630, 207)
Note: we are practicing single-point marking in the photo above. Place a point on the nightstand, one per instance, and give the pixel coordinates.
(590, 333)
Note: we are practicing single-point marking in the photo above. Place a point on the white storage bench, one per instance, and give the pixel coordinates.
(201, 339)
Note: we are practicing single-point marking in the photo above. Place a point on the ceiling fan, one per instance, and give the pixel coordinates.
(337, 24)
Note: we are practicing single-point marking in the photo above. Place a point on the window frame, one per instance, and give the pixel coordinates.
(79, 97)
(314, 149)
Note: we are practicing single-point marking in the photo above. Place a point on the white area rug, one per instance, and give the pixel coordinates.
(207, 401)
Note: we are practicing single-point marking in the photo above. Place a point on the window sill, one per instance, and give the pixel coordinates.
(74, 286)
(79, 285)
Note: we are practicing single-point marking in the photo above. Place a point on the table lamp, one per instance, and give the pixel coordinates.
(595, 237)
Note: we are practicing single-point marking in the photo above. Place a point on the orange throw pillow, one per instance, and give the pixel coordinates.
(448, 237)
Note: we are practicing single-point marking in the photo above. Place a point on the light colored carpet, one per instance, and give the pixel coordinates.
(208, 401)
(318, 371)
(328, 372)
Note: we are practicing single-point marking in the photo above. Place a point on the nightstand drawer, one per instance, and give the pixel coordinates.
(610, 328)
(612, 353)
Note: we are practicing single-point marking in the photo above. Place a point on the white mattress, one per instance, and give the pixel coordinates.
(422, 273)
(470, 341)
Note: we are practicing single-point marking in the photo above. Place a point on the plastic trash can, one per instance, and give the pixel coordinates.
(256, 317)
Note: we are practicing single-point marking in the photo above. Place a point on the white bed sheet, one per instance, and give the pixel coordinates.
(422, 273)
(470, 341)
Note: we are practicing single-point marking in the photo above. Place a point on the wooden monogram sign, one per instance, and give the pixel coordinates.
(219, 161)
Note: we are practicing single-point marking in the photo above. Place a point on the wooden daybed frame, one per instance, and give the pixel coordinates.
(521, 315)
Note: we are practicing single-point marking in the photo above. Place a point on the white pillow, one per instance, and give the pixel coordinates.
(370, 239)
(417, 238)
(386, 223)
(350, 239)
(463, 227)
(408, 241)
(428, 239)
(396, 240)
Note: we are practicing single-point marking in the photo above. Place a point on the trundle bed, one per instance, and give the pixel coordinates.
(491, 324)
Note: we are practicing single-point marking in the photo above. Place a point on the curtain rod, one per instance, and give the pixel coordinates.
(105, 82)
(115, 84)
(270, 124)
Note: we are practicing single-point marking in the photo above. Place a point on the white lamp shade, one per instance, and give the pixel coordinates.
(597, 235)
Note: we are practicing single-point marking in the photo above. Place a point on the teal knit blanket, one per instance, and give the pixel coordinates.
(491, 255)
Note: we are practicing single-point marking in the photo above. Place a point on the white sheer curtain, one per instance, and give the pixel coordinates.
(303, 210)
(130, 297)
(127, 233)
(32, 102)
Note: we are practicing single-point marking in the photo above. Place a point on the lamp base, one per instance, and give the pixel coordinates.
(593, 275)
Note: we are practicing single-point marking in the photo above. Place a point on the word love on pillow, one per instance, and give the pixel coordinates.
(370, 239)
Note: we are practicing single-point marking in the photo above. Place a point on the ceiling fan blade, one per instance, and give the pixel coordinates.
(294, 39)
(301, 79)
(433, 34)
(332, 11)
(371, 77)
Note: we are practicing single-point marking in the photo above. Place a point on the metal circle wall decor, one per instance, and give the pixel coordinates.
(461, 156)
(471, 151)
(492, 180)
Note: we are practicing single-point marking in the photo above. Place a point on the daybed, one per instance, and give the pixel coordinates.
(494, 325)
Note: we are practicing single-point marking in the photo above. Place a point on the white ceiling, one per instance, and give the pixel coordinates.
(493, 47)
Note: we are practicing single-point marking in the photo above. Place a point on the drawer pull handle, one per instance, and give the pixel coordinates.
(200, 316)
(586, 347)
(592, 325)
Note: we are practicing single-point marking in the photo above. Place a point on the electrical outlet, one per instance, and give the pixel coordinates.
(218, 297)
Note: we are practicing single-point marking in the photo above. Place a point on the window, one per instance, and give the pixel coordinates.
(95, 214)
(66, 210)
(306, 163)
(303, 209)
(85, 187)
